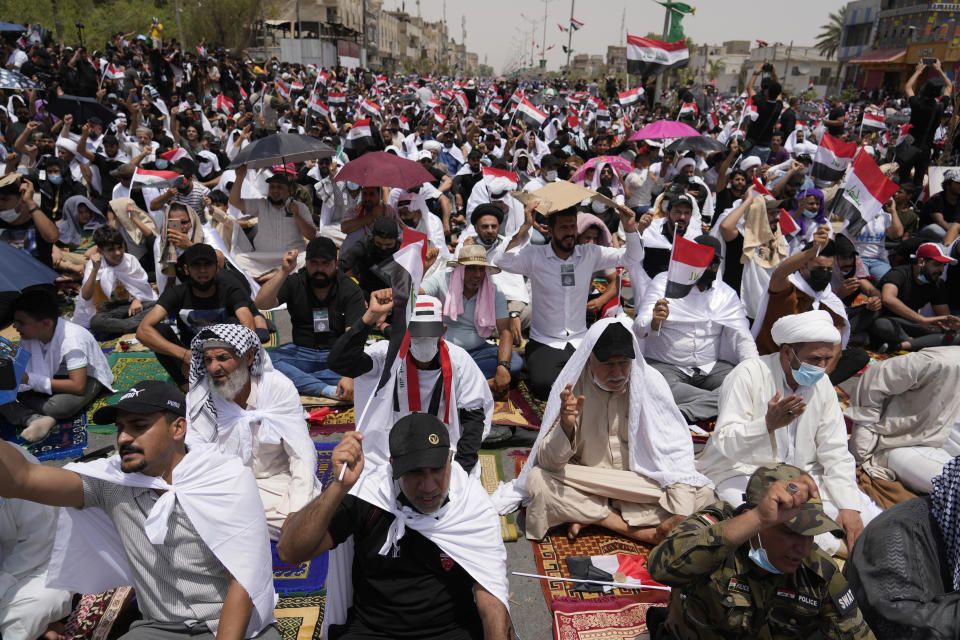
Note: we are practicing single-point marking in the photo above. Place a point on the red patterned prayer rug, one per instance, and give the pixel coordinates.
(603, 618)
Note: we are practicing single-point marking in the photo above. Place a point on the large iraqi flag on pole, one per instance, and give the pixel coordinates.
(832, 158)
(863, 193)
(652, 57)
(688, 261)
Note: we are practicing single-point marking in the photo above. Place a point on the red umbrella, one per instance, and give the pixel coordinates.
(380, 169)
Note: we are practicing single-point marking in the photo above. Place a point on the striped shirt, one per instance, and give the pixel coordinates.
(180, 581)
(194, 199)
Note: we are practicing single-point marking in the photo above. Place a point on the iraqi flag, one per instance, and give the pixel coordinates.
(788, 226)
(622, 569)
(530, 114)
(316, 104)
(153, 178)
(404, 271)
(372, 109)
(490, 173)
(323, 78)
(832, 158)
(862, 194)
(243, 94)
(113, 72)
(225, 104)
(173, 155)
(439, 117)
(647, 57)
(461, 99)
(335, 97)
(688, 261)
(760, 188)
(575, 24)
(872, 122)
(631, 97)
(494, 108)
(359, 139)
(283, 89)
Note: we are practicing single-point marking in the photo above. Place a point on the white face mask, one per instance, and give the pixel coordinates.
(9, 215)
(424, 349)
(598, 207)
(550, 176)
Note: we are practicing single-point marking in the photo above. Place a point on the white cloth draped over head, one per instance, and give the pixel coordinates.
(130, 230)
(467, 528)
(218, 495)
(811, 326)
(280, 415)
(795, 148)
(71, 230)
(45, 360)
(826, 297)
(660, 445)
(129, 273)
(616, 185)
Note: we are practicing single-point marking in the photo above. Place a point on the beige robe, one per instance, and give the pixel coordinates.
(584, 478)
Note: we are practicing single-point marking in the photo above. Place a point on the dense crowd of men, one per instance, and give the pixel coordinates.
(552, 231)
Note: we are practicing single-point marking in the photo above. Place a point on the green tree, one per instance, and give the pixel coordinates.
(714, 68)
(828, 40)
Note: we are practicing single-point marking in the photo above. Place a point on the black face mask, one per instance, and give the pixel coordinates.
(321, 280)
(707, 278)
(276, 203)
(203, 286)
(819, 279)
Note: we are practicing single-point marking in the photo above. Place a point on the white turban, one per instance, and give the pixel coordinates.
(67, 144)
(432, 145)
(686, 162)
(750, 162)
(500, 184)
(812, 326)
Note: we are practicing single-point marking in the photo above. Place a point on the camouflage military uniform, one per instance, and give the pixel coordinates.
(720, 593)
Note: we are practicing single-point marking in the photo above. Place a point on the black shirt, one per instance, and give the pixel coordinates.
(938, 204)
(193, 313)
(836, 114)
(725, 200)
(788, 122)
(925, 113)
(760, 130)
(732, 267)
(912, 293)
(418, 593)
(309, 316)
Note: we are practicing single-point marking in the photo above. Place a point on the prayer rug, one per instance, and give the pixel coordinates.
(128, 369)
(604, 618)
(274, 341)
(66, 440)
(340, 421)
(516, 410)
(491, 474)
(532, 407)
(101, 616)
(300, 616)
(551, 553)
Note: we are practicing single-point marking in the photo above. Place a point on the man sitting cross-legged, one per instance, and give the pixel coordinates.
(238, 401)
(614, 451)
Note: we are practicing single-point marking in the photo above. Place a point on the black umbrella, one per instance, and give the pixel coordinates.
(281, 148)
(706, 144)
(81, 108)
(9, 26)
(21, 270)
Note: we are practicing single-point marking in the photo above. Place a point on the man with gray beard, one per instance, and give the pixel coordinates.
(238, 401)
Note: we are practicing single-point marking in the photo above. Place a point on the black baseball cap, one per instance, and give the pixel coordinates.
(146, 396)
(615, 340)
(386, 227)
(321, 247)
(199, 252)
(418, 440)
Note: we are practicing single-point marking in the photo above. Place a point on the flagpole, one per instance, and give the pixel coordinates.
(666, 31)
(673, 246)
(569, 36)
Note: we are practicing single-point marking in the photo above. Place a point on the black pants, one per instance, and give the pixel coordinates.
(861, 322)
(173, 366)
(894, 330)
(918, 167)
(851, 360)
(544, 364)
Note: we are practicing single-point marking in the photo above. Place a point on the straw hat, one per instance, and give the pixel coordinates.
(473, 255)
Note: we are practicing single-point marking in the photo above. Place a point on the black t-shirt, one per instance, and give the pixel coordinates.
(836, 114)
(732, 267)
(760, 130)
(912, 293)
(418, 593)
(725, 200)
(788, 122)
(924, 116)
(193, 312)
(309, 317)
(938, 204)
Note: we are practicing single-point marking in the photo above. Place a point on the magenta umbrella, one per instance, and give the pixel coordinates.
(620, 164)
(380, 169)
(665, 129)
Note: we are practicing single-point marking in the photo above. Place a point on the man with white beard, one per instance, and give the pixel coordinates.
(238, 401)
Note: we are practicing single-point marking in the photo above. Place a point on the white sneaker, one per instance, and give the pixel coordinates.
(38, 429)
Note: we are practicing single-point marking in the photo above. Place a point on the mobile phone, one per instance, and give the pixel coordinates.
(929, 62)
(174, 225)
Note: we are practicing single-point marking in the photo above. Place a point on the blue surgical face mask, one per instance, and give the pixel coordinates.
(923, 278)
(807, 375)
(809, 214)
(759, 557)
(55, 178)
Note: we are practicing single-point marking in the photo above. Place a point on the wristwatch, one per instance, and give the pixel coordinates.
(514, 314)
(504, 363)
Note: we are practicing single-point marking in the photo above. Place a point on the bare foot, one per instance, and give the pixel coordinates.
(665, 527)
(55, 631)
(573, 530)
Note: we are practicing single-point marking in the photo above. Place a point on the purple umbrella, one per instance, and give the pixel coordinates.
(665, 129)
(380, 169)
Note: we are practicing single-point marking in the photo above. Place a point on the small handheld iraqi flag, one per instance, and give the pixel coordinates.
(872, 122)
(688, 261)
(832, 158)
(530, 114)
(630, 97)
(862, 194)
(788, 225)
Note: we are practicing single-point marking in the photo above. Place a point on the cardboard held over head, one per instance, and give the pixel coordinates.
(560, 195)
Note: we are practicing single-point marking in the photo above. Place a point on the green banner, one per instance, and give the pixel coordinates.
(677, 11)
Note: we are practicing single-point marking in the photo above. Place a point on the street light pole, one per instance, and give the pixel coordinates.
(569, 36)
(666, 31)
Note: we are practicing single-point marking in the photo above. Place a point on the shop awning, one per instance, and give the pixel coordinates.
(880, 55)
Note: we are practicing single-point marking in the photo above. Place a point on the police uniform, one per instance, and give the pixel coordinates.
(719, 592)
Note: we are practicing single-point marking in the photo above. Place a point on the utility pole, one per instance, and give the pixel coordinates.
(543, 43)
(569, 36)
(661, 80)
(623, 39)
(785, 76)
(299, 33)
(263, 26)
(176, 9)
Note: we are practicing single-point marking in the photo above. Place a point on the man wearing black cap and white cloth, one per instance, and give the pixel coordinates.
(419, 553)
(614, 450)
(781, 407)
(435, 376)
(185, 528)
(696, 340)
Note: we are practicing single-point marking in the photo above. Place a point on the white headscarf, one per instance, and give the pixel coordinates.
(811, 326)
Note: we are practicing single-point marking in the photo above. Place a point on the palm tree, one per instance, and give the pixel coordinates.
(828, 40)
(714, 68)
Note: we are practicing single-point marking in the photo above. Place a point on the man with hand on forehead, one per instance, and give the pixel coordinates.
(782, 407)
(185, 528)
(428, 557)
(753, 571)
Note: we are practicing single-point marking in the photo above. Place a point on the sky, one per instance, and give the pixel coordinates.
(496, 31)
